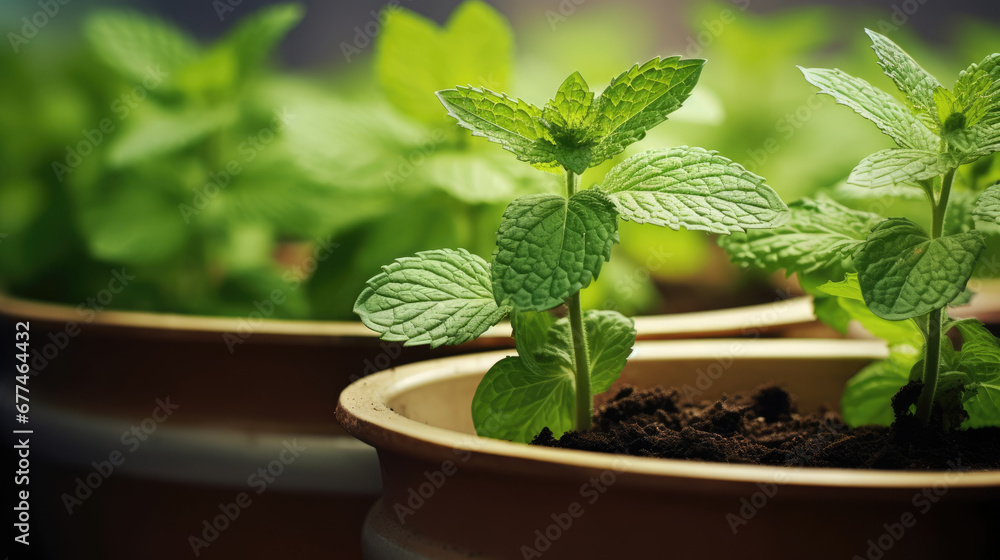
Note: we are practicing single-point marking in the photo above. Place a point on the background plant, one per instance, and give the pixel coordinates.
(898, 278)
(550, 246)
(354, 161)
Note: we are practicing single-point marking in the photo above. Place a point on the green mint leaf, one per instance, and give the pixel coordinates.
(949, 112)
(154, 133)
(910, 78)
(980, 353)
(512, 123)
(640, 99)
(948, 396)
(693, 188)
(568, 119)
(897, 167)
(531, 336)
(976, 95)
(479, 48)
(521, 395)
(414, 56)
(546, 343)
(904, 273)
(256, 36)
(987, 209)
(889, 115)
(830, 313)
(437, 297)
(133, 226)
(514, 402)
(982, 403)
(978, 90)
(576, 159)
(979, 360)
(550, 247)
(610, 338)
(846, 288)
(904, 337)
(569, 110)
(212, 75)
(979, 141)
(868, 395)
(136, 45)
(818, 234)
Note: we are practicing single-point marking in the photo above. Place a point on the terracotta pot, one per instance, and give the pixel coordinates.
(266, 374)
(449, 494)
(241, 387)
(160, 495)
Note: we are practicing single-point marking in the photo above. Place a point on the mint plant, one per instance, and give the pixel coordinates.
(551, 246)
(898, 278)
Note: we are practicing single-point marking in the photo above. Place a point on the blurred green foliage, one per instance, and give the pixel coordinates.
(219, 181)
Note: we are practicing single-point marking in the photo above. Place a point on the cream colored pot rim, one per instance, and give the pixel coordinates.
(780, 313)
(363, 411)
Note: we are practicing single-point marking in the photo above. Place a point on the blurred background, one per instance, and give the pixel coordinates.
(220, 151)
(261, 159)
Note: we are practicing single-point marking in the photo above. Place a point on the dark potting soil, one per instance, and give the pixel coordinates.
(763, 427)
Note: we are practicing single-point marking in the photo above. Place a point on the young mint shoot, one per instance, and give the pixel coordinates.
(551, 246)
(898, 278)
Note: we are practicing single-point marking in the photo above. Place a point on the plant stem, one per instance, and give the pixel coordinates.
(925, 404)
(584, 396)
(941, 207)
(932, 359)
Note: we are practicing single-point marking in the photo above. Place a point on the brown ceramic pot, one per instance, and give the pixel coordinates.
(242, 387)
(450, 494)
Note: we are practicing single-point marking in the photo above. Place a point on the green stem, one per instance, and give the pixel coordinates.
(932, 365)
(941, 207)
(584, 395)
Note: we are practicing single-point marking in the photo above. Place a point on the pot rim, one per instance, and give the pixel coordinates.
(791, 311)
(363, 411)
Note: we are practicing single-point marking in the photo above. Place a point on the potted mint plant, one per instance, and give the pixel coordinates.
(892, 275)
(551, 246)
(551, 502)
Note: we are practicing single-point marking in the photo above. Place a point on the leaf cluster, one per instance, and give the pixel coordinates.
(896, 269)
(549, 247)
